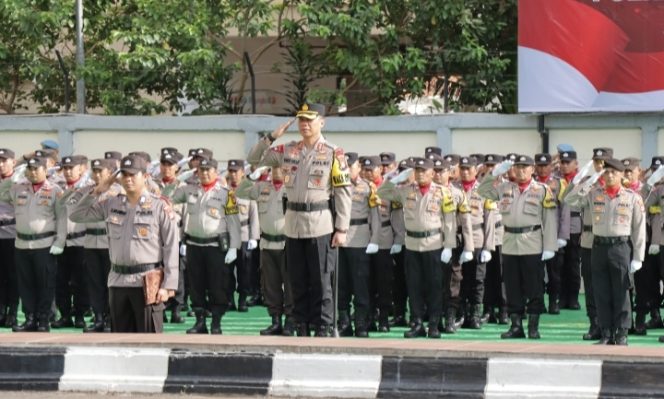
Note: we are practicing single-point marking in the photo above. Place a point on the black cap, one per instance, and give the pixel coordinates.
(203, 153)
(422, 163)
(602, 153)
(614, 164)
(6, 153)
(235, 164)
(209, 163)
(106, 163)
(440, 164)
(524, 160)
(492, 159)
(143, 155)
(311, 111)
(371, 162)
(192, 152)
(113, 155)
(46, 153)
(511, 157)
(168, 150)
(567, 156)
(73, 160)
(631, 163)
(467, 162)
(351, 157)
(432, 150)
(542, 159)
(387, 158)
(656, 162)
(478, 157)
(406, 163)
(170, 157)
(36, 162)
(453, 159)
(133, 164)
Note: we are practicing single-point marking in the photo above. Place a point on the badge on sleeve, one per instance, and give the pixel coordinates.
(340, 173)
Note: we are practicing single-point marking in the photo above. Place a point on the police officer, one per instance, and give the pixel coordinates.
(399, 289)
(430, 214)
(275, 284)
(41, 231)
(317, 171)
(143, 235)
(529, 217)
(8, 278)
(618, 220)
(388, 162)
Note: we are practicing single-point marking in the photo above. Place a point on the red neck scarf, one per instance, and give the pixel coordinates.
(277, 184)
(425, 189)
(524, 186)
(569, 176)
(634, 185)
(378, 181)
(71, 183)
(542, 179)
(208, 187)
(37, 186)
(8, 176)
(167, 180)
(468, 185)
(612, 191)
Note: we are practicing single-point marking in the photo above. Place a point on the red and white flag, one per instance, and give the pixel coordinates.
(591, 55)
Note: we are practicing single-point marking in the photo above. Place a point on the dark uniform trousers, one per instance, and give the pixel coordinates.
(399, 289)
(98, 265)
(240, 273)
(646, 285)
(523, 276)
(275, 282)
(553, 269)
(311, 262)
(255, 272)
(209, 278)
(179, 298)
(570, 271)
(610, 271)
(452, 278)
(381, 281)
(494, 289)
(354, 266)
(586, 271)
(424, 277)
(70, 280)
(472, 283)
(36, 279)
(8, 278)
(130, 314)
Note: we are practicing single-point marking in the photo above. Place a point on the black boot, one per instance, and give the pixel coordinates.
(362, 324)
(607, 337)
(503, 318)
(323, 331)
(242, 304)
(487, 315)
(176, 317)
(450, 322)
(640, 324)
(594, 333)
(433, 332)
(398, 321)
(30, 324)
(107, 323)
(79, 321)
(516, 329)
(276, 328)
(215, 325)
(302, 330)
(289, 328)
(554, 306)
(200, 327)
(63, 322)
(383, 323)
(416, 330)
(97, 326)
(655, 320)
(533, 326)
(475, 316)
(621, 337)
(10, 320)
(344, 325)
(43, 324)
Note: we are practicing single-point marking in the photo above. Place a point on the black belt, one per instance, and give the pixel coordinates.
(597, 240)
(386, 223)
(125, 269)
(244, 223)
(588, 228)
(95, 232)
(520, 230)
(273, 237)
(7, 222)
(33, 237)
(498, 224)
(199, 240)
(422, 234)
(357, 222)
(73, 236)
(307, 207)
(575, 214)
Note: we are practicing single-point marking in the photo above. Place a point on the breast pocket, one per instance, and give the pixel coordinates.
(623, 216)
(505, 206)
(599, 214)
(318, 179)
(115, 224)
(531, 207)
(263, 204)
(143, 228)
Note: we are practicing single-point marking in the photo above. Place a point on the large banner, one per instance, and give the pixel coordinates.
(591, 55)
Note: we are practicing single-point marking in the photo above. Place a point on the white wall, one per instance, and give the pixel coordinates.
(24, 142)
(495, 141)
(625, 142)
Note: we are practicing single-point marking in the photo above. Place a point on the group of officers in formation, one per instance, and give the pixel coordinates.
(331, 240)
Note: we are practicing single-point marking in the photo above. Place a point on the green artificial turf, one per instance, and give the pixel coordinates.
(567, 327)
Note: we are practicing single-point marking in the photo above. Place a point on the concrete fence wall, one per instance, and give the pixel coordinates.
(231, 136)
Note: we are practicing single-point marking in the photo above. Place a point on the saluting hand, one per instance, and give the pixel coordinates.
(281, 130)
(106, 184)
(583, 172)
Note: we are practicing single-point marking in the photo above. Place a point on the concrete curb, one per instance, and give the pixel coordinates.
(343, 374)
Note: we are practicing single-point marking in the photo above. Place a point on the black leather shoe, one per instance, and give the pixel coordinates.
(29, 325)
(398, 321)
(574, 305)
(322, 331)
(621, 337)
(273, 329)
(63, 322)
(417, 330)
(516, 329)
(289, 328)
(594, 333)
(176, 318)
(79, 322)
(10, 320)
(606, 338)
(43, 324)
(200, 327)
(361, 332)
(554, 308)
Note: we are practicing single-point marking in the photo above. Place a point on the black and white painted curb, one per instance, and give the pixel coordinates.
(157, 370)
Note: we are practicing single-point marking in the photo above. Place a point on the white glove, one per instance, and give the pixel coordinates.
(52, 170)
(446, 255)
(502, 168)
(402, 177)
(231, 255)
(396, 248)
(252, 244)
(635, 266)
(583, 172)
(183, 250)
(83, 181)
(593, 179)
(653, 249)
(466, 256)
(656, 176)
(55, 250)
(184, 161)
(19, 172)
(562, 243)
(546, 255)
(256, 174)
(372, 248)
(184, 176)
(485, 256)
